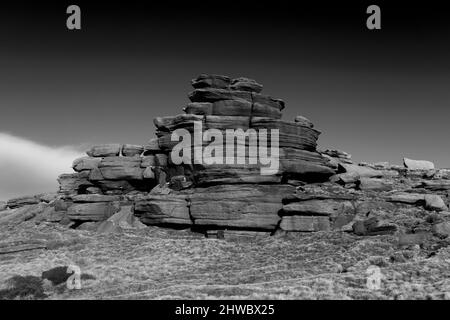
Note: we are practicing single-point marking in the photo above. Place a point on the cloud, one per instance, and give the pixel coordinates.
(28, 168)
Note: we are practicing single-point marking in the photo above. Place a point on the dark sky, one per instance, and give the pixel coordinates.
(379, 95)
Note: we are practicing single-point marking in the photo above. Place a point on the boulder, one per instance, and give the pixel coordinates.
(434, 202)
(130, 150)
(211, 81)
(373, 227)
(418, 164)
(3, 205)
(238, 206)
(92, 211)
(105, 150)
(163, 209)
(442, 229)
(85, 163)
(122, 220)
(304, 121)
(246, 84)
(305, 223)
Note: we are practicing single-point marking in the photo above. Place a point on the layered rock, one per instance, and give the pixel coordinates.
(224, 191)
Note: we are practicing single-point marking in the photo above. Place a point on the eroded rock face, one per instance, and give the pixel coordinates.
(163, 209)
(311, 190)
(238, 206)
(23, 201)
(106, 150)
(92, 211)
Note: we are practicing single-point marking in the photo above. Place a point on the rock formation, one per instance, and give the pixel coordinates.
(311, 190)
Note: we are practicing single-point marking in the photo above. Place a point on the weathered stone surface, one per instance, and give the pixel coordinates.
(418, 164)
(122, 220)
(372, 184)
(93, 190)
(374, 206)
(304, 121)
(373, 226)
(199, 108)
(211, 81)
(21, 214)
(436, 185)
(87, 198)
(232, 108)
(345, 178)
(363, 172)
(161, 159)
(265, 111)
(74, 183)
(181, 121)
(163, 209)
(335, 153)
(105, 150)
(434, 202)
(246, 84)
(116, 187)
(149, 173)
(226, 122)
(268, 101)
(304, 165)
(231, 174)
(148, 161)
(121, 168)
(92, 211)
(22, 201)
(85, 163)
(152, 147)
(408, 198)
(238, 206)
(305, 223)
(442, 229)
(130, 150)
(3, 205)
(291, 134)
(213, 95)
(322, 207)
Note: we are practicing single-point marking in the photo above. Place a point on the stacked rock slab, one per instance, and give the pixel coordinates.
(232, 195)
(215, 196)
